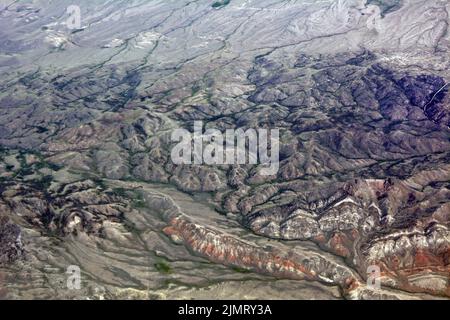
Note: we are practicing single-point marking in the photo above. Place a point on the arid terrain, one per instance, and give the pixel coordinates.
(357, 88)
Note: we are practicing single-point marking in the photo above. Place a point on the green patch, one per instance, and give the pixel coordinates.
(23, 172)
(99, 183)
(120, 192)
(21, 159)
(220, 4)
(138, 201)
(43, 183)
(163, 267)
(139, 204)
(241, 270)
(44, 164)
(195, 89)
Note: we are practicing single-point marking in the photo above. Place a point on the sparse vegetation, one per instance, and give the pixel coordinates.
(241, 270)
(139, 204)
(220, 4)
(44, 164)
(138, 201)
(163, 267)
(121, 192)
(99, 182)
(43, 183)
(24, 171)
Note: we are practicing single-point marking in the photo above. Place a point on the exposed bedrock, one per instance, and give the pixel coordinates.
(388, 223)
(225, 248)
(281, 261)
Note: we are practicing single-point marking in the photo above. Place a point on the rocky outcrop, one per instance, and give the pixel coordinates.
(11, 246)
(385, 223)
(81, 207)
